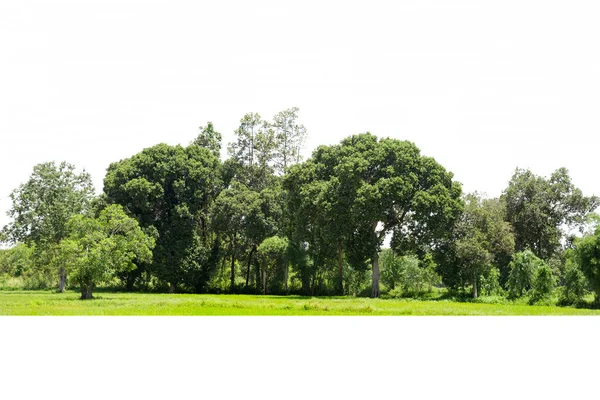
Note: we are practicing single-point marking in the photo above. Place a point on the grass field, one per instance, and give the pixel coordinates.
(116, 303)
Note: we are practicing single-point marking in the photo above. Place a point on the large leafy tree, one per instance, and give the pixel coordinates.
(482, 239)
(42, 206)
(540, 208)
(321, 205)
(230, 219)
(169, 190)
(99, 248)
(373, 187)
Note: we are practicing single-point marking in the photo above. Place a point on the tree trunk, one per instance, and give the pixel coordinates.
(375, 279)
(249, 263)
(474, 286)
(86, 291)
(265, 280)
(340, 276)
(232, 267)
(172, 287)
(285, 278)
(62, 276)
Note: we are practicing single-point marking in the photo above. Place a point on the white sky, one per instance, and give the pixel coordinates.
(483, 87)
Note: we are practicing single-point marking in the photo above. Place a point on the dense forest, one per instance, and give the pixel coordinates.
(366, 217)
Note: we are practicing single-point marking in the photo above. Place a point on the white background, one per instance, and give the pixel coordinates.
(484, 87)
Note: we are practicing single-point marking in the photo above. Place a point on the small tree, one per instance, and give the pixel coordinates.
(587, 255)
(490, 284)
(574, 284)
(544, 283)
(391, 268)
(273, 253)
(522, 273)
(98, 248)
(43, 205)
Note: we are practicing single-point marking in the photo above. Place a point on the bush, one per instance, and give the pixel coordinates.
(544, 283)
(490, 285)
(575, 284)
(406, 275)
(522, 273)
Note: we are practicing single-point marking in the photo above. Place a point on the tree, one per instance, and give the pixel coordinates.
(574, 285)
(253, 151)
(587, 256)
(482, 239)
(169, 190)
(363, 189)
(210, 139)
(544, 283)
(273, 253)
(43, 205)
(98, 248)
(229, 218)
(290, 138)
(538, 208)
(522, 273)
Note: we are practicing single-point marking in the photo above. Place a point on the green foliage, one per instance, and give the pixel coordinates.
(587, 256)
(210, 139)
(273, 254)
(252, 154)
(290, 137)
(574, 285)
(538, 207)
(169, 190)
(522, 273)
(98, 248)
(43, 205)
(490, 284)
(16, 261)
(481, 240)
(406, 275)
(357, 192)
(544, 283)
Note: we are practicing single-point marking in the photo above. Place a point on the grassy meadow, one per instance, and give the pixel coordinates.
(18, 302)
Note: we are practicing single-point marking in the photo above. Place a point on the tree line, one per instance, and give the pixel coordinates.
(180, 219)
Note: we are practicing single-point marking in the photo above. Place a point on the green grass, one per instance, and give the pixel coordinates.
(115, 303)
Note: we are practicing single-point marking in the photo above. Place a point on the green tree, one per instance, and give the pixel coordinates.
(273, 253)
(544, 283)
(17, 260)
(290, 137)
(252, 153)
(587, 256)
(43, 205)
(575, 283)
(365, 188)
(169, 190)
(210, 139)
(99, 248)
(538, 208)
(522, 273)
(482, 239)
(490, 284)
(229, 214)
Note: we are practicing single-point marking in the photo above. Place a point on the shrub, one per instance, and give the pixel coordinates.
(490, 285)
(522, 273)
(575, 284)
(544, 283)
